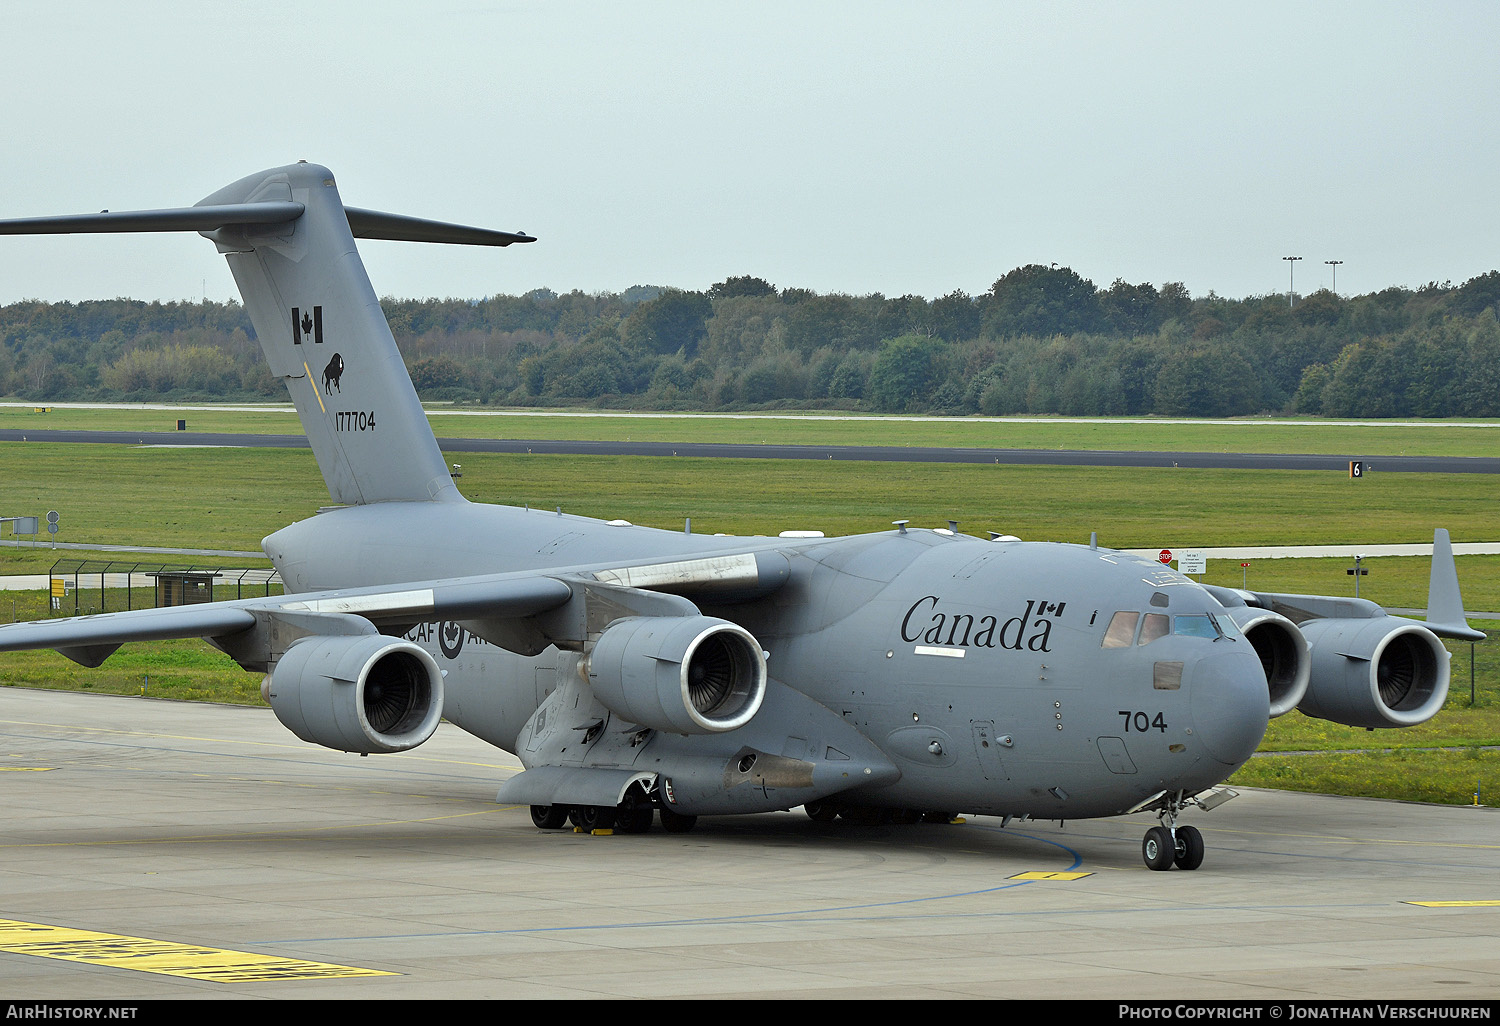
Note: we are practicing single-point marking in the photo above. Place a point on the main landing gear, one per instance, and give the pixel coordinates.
(631, 816)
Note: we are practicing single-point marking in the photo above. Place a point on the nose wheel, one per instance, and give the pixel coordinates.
(1168, 844)
(1162, 848)
(1188, 851)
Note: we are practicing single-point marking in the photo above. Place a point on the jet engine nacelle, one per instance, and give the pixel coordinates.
(1283, 652)
(1380, 672)
(683, 674)
(365, 693)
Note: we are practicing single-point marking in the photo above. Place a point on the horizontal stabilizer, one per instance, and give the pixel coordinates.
(177, 219)
(373, 224)
(364, 224)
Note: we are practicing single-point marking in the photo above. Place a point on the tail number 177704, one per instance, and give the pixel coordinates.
(354, 421)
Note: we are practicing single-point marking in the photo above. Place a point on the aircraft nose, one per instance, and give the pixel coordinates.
(1230, 704)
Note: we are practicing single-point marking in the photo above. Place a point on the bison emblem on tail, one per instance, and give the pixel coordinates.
(332, 373)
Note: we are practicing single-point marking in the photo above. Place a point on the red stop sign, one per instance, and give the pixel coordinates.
(1166, 556)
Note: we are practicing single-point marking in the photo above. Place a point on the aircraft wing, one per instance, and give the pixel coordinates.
(91, 639)
(498, 605)
(1445, 607)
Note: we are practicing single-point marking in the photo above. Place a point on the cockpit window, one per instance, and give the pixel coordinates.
(1196, 625)
(1156, 625)
(1121, 630)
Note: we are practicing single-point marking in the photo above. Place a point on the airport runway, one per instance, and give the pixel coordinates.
(898, 454)
(208, 844)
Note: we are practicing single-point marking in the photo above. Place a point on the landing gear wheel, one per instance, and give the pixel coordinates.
(821, 812)
(549, 817)
(1158, 849)
(676, 822)
(1189, 848)
(595, 817)
(633, 815)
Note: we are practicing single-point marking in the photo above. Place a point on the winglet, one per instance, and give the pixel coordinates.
(1445, 605)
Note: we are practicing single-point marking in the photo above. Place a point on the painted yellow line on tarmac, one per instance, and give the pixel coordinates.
(166, 958)
(25, 769)
(1454, 904)
(1050, 876)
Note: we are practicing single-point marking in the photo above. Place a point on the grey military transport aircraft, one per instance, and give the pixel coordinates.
(641, 675)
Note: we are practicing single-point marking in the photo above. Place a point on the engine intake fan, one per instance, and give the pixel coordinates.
(1283, 652)
(684, 674)
(367, 693)
(1383, 672)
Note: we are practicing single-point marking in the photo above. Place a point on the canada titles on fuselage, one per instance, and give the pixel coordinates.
(930, 622)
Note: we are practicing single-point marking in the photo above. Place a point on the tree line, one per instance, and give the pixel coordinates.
(1041, 340)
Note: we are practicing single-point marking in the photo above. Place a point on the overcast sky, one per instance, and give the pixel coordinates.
(852, 147)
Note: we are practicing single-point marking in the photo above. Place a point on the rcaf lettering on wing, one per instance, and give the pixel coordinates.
(449, 634)
(930, 622)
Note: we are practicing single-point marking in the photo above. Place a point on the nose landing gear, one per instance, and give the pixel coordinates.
(1162, 848)
(1168, 844)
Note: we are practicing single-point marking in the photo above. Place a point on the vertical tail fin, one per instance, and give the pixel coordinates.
(289, 241)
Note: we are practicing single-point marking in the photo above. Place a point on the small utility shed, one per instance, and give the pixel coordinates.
(184, 587)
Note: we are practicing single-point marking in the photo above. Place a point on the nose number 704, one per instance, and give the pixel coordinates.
(1142, 722)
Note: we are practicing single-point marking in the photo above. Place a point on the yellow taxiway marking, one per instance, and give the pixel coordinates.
(1454, 904)
(25, 769)
(1050, 876)
(168, 958)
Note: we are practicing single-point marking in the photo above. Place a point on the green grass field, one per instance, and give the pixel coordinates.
(1357, 440)
(231, 498)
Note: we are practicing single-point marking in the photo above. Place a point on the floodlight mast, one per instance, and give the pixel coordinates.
(1335, 265)
(1291, 290)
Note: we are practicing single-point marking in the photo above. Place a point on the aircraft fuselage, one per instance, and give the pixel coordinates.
(980, 673)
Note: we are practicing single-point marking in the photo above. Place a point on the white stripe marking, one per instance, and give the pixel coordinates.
(390, 602)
